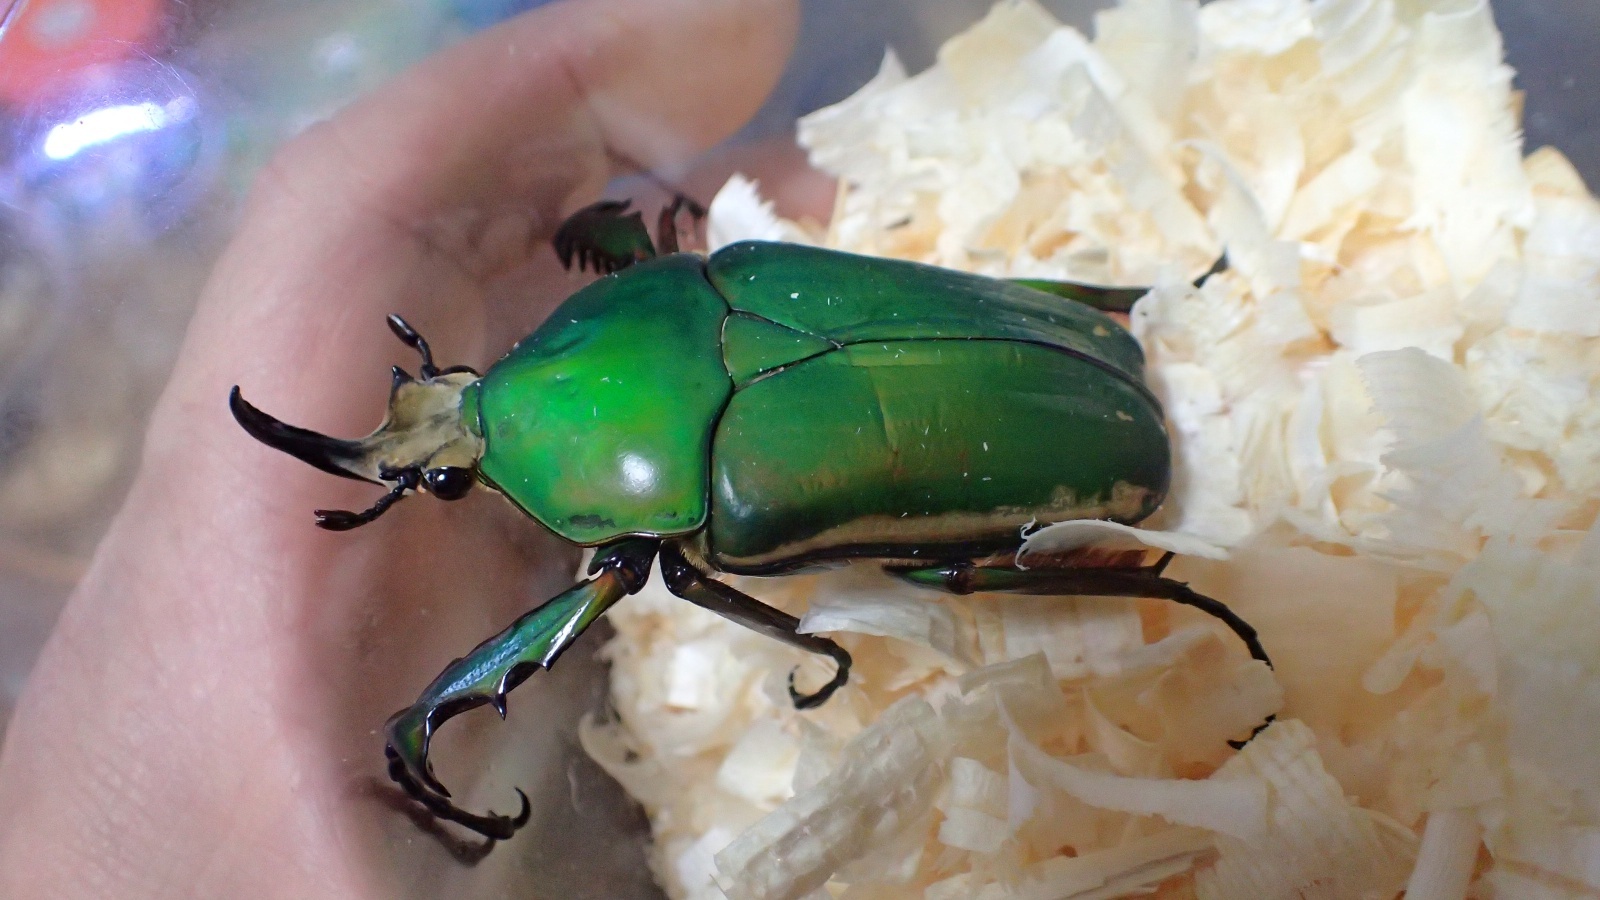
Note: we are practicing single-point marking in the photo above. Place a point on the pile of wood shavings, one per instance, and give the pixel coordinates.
(1389, 462)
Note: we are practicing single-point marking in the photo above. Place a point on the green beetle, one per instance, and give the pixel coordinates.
(761, 410)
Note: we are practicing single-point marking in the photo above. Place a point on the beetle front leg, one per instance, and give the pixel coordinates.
(686, 580)
(498, 665)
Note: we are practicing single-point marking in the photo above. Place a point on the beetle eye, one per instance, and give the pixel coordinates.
(448, 482)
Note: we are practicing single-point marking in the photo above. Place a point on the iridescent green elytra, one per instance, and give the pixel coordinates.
(792, 403)
(766, 408)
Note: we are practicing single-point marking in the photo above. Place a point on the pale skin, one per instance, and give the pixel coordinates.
(204, 720)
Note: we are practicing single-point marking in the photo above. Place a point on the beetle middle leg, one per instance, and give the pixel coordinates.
(688, 581)
(498, 665)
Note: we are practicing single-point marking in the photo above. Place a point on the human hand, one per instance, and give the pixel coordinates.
(205, 720)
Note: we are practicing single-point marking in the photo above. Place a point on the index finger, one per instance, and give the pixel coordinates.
(524, 111)
(356, 217)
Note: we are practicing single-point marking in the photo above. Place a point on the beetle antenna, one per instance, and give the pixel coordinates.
(403, 330)
(409, 336)
(344, 520)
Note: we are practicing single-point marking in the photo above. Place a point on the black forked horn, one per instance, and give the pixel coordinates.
(326, 453)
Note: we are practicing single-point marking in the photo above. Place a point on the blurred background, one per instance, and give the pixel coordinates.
(130, 130)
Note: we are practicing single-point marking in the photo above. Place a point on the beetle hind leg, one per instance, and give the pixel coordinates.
(1111, 581)
(1120, 581)
(686, 580)
(492, 826)
(487, 674)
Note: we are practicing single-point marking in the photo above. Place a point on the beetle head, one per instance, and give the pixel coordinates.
(423, 443)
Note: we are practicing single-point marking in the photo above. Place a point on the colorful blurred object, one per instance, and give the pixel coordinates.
(476, 14)
(44, 44)
(129, 147)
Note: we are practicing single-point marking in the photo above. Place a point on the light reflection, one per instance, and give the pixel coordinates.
(63, 23)
(638, 475)
(102, 126)
(10, 14)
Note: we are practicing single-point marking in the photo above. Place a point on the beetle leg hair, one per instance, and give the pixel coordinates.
(487, 674)
(686, 580)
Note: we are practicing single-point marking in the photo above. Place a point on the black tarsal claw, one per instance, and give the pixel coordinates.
(409, 733)
(338, 519)
(1239, 745)
(806, 701)
(492, 826)
(840, 678)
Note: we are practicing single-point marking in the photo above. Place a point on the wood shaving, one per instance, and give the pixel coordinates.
(1388, 462)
